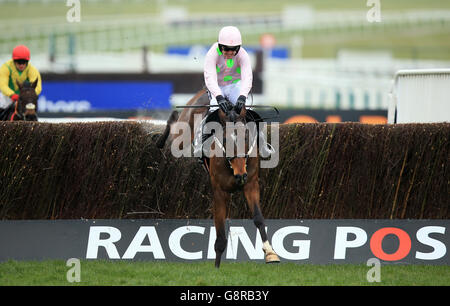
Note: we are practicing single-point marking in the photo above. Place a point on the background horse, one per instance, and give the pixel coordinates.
(25, 107)
(229, 172)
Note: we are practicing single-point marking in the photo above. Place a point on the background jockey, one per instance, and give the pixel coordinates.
(17, 69)
(228, 78)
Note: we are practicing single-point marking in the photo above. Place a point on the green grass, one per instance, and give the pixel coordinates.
(124, 273)
(401, 43)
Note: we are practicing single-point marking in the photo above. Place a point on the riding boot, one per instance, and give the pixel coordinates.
(199, 139)
(265, 149)
(197, 144)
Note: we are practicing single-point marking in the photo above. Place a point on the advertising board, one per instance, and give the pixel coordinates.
(300, 241)
(85, 96)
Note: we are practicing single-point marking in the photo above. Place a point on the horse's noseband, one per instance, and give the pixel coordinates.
(30, 106)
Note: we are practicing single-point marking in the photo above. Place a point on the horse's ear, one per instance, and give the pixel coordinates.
(19, 85)
(34, 84)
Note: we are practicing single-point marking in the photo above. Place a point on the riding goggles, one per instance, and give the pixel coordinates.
(21, 61)
(225, 48)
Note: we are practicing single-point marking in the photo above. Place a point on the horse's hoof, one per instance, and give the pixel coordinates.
(272, 258)
(270, 255)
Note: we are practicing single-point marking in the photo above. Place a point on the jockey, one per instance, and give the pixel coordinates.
(228, 78)
(16, 70)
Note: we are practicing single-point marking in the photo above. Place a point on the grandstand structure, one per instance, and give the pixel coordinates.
(53, 36)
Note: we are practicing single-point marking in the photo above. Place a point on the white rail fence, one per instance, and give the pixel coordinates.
(352, 81)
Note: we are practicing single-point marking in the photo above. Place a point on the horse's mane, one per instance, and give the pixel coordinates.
(27, 84)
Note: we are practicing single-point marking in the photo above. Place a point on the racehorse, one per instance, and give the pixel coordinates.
(229, 172)
(25, 107)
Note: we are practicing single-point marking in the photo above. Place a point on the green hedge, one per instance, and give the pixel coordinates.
(114, 170)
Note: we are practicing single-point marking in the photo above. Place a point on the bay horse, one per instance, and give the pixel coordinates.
(229, 172)
(25, 107)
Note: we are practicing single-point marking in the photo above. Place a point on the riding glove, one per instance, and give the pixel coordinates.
(14, 97)
(224, 104)
(240, 104)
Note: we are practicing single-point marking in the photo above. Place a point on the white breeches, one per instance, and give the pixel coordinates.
(230, 92)
(5, 101)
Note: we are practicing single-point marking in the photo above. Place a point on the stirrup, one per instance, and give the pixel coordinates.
(266, 150)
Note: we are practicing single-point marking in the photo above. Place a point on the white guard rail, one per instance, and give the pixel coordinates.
(421, 96)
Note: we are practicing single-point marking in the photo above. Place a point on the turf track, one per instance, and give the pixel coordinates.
(125, 273)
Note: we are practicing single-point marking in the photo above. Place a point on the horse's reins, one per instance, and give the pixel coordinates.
(248, 107)
(15, 113)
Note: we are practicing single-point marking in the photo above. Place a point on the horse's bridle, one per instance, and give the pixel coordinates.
(230, 159)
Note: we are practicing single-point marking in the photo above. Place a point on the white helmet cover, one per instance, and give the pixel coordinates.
(230, 36)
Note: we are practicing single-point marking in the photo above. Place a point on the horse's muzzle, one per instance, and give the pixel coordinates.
(241, 179)
(31, 117)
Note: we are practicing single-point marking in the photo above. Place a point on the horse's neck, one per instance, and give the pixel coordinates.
(195, 99)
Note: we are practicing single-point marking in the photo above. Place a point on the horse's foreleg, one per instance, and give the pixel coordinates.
(251, 191)
(220, 206)
(258, 220)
